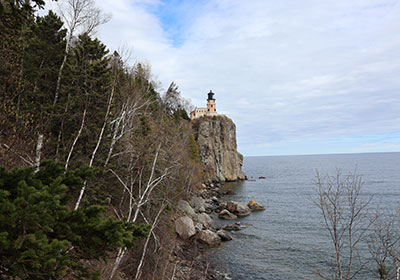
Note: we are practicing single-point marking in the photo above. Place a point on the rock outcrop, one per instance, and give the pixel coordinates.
(255, 206)
(226, 215)
(185, 207)
(210, 238)
(216, 140)
(238, 208)
(184, 227)
(224, 235)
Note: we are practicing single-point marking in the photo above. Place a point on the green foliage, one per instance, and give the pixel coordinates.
(85, 88)
(40, 237)
(142, 136)
(193, 149)
(181, 114)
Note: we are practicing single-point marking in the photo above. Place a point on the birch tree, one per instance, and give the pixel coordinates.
(384, 246)
(138, 197)
(346, 217)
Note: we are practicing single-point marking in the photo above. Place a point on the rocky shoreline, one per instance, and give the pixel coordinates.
(197, 229)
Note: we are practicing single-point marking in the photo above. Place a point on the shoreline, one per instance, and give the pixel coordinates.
(206, 208)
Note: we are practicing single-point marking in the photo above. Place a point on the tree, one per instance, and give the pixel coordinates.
(346, 218)
(78, 14)
(87, 86)
(31, 49)
(384, 246)
(41, 237)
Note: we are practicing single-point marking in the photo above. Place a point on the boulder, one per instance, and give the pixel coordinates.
(226, 215)
(233, 227)
(255, 206)
(185, 207)
(238, 208)
(208, 237)
(198, 203)
(224, 235)
(206, 220)
(221, 206)
(229, 192)
(199, 226)
(184, 227)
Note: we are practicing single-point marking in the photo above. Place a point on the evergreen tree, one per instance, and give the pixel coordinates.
(85, 92)
(40, 237)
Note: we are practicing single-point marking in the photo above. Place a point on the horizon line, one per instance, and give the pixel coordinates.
(349, 153)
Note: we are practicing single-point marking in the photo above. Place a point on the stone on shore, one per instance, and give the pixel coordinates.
(226, 215)
(185, 207)
(184, 226)
(233, 227)
(198, 204)
(238, 208)
(208, 237)
(206, 221)
(224, 235)
(255, 206)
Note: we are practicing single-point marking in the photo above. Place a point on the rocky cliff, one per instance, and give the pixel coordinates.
(216, 139)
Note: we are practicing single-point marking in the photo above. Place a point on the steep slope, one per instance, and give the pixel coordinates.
(216, 139)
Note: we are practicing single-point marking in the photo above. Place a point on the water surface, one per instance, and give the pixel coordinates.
(289, 240)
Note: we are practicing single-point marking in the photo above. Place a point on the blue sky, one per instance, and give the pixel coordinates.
(297, 77)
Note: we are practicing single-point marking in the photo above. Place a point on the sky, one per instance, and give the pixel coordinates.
(296, 77)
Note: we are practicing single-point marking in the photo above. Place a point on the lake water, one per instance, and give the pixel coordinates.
(289, 240)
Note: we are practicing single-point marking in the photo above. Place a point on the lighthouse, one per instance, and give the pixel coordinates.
(211, 106)
(211, 109)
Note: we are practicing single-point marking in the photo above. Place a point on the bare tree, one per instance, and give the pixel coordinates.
(138, 198)
(346, 217)
(383, 244)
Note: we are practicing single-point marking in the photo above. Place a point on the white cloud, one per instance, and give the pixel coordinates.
(282, 70)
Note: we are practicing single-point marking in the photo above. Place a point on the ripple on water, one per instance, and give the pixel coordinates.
(289, 240)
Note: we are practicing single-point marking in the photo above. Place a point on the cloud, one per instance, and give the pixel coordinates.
(284, 71)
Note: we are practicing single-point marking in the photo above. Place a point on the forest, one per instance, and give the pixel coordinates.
(94, 155)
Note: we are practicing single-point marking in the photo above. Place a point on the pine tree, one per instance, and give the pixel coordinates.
(85, 92)
(40, 237)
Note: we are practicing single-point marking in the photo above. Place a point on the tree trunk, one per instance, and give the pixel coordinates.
(60, 70)
(97, 144)
(76, 138)
(139, 269)
(38, 152)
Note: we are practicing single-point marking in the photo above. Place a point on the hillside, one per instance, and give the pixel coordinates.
(95, 157)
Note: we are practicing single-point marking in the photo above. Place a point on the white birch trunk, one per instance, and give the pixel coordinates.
(76, 138)
(139, 202)
(120, 255)
(139, 269)
(38, 152)
(97, 144)
(60, 70)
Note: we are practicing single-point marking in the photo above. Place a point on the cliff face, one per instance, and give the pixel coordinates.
(216, 139)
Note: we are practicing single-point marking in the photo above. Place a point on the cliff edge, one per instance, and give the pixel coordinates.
(216, 140)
